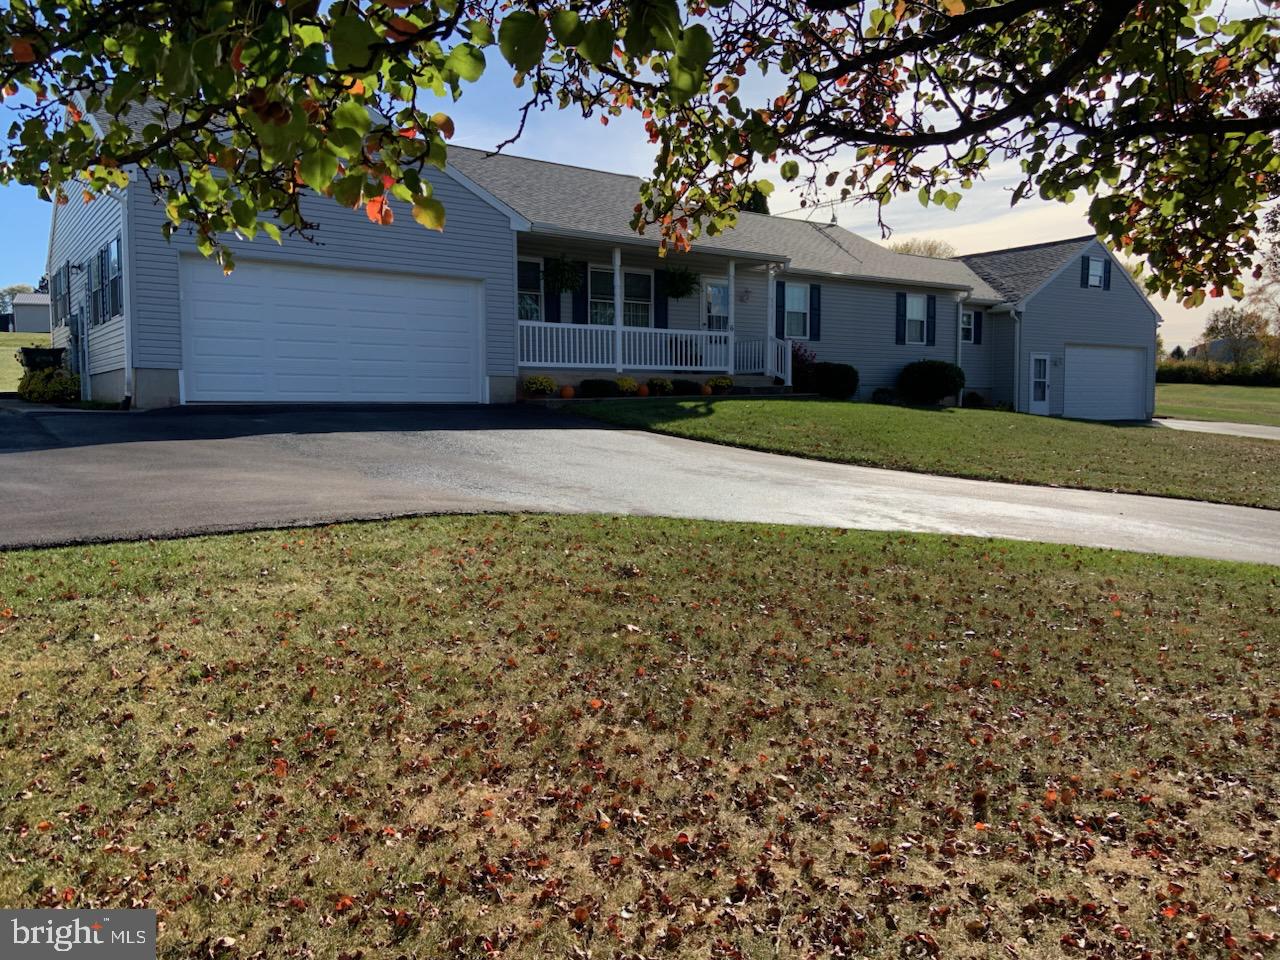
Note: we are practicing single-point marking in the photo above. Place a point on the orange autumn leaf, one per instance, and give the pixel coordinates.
(23, 51)
(279, 767)
(379, 211)
(343, 902)
(595, 703)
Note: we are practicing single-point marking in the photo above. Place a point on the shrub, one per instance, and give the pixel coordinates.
(883, 395)
(836, 381)
(49, 385)
(1262, 374)
(720, 384)
(975, 400)
(539, 385)
(685, 387)
(660, 387)
(628, 386)
(803, 360)
(599, 388)
(41, 358)
(928, 381)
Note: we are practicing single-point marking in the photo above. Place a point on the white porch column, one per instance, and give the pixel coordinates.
(617, 308)
(771, 306)
(733, 301)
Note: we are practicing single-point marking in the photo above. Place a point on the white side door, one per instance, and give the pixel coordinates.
(1039, 384)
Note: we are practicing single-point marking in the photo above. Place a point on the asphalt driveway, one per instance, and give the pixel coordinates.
(71, 477)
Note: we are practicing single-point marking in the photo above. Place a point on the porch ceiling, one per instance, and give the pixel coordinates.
(541, 240)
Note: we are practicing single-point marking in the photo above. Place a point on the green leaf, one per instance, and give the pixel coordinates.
(695, 47)
(318, 168)
(790, 170)
(466, 61)
(566, 27)
(596, 45)
(522, 38)
(352, 115)
(652, 24)
(353, 42)
(272, 230)
(429, 212)
(481, 34)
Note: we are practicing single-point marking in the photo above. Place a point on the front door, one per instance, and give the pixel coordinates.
(715, 296)
(1039, 383)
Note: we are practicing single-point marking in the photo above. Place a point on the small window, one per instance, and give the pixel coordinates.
(637, 300)
(917, 318)
(1097, 271)
(966, 327)
(601, 296)
(529, 282)
(115, 293)
(797, 310)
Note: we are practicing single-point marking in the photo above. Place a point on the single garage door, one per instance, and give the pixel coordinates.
(1105, 383)
(279, 333)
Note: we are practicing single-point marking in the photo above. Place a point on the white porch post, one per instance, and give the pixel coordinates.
(771, 307)
(733, 300)
(617, 308)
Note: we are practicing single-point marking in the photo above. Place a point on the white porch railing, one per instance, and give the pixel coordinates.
(592, 346)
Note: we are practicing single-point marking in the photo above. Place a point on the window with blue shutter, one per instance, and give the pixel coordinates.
(660, 315)
(900, 327)
(815, 311)
(529, 290)
(780, 311)
(931, 337)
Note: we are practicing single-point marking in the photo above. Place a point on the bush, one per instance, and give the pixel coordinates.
(1261, 374)
(49, 385)
(883, 395)
(660, 387)
(599, 388)
(684, 388)
(975, 400)
(803, 361)
(929, 381)
(721, 384)
(628, 386)
(836, 381)
(539, 385)
(41, 358)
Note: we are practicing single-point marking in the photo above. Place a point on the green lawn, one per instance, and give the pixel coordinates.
(1192, 401)
(639, 737)
(10, 370)
(984, 444)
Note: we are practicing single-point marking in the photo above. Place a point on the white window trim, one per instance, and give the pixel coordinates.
(542, 290)
(808, 300)
(115, 242)
(608, 268)
(924, 319)
(1102, 272)
(966, 326)
(705, 283)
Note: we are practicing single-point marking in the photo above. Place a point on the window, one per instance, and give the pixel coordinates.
(103, 277)
(1097, 271)
(58, 296)
(637, 298)
(529, 283)
(797, 310)
(917, 318)
(716, 296)
(966, 326)
(115, 289)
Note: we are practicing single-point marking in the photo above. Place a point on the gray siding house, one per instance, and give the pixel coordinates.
(30, 312)
(538, 271)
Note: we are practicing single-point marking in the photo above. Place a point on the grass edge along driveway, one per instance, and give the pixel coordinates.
(976, 444)
(1194, 401)
(542, 736)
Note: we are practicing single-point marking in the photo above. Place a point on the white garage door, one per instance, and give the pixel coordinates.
(1105, 383)
(280, 333)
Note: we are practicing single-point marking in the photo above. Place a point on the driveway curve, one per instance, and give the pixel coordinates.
(69, 477)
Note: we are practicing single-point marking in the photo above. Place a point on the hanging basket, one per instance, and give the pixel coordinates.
(682, 282)
(561, 276)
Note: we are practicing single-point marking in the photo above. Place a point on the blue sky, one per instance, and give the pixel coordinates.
(488, 114)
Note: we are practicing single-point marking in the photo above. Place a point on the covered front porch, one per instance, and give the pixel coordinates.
(626, 310)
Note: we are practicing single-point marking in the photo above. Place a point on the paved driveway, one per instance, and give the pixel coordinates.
(1259, 431)
(69, 477)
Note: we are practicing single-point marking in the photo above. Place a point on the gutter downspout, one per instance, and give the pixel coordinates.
(126, 268)
(960, 300)
(1017, 362)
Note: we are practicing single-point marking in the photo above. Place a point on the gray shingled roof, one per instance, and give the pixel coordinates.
(30, 299)
(1019, 271)
(556, 197)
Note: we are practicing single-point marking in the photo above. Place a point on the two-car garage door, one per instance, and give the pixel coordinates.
(278, 333)
(1105, 383)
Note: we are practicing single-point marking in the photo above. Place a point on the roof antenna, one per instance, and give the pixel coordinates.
(833, 216)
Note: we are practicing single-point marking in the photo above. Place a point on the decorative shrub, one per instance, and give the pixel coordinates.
(49, 385)
(720, 384)
(1264, 374)
(628, 386)
(660, 386)
(975, 400)
(684, 388)
(41, 358)
(883, 395)
(836, 381)
(929, 381)
(803, 360)
(539, 385)
(682, 282)
(599, 388)
(561, 275)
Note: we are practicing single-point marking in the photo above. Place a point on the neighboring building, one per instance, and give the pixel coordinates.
(6, 322)
(401, 314)
(30, 313)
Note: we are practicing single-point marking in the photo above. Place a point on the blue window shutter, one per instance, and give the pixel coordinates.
(900, 331)
(815, 311)
(780, 310)
(1106, 274)
(977, 327)
(660, 299)
(1084, 271)
(580, 295)
(931, 327)
(551, 301)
